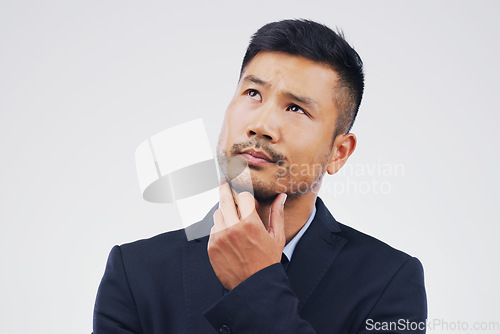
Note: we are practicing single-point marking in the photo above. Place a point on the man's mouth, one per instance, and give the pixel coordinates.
(255, 157)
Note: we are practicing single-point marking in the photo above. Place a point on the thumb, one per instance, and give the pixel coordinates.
(277, 218)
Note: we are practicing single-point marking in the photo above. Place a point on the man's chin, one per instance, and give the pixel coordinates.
(265, 198)
(264, 192)
(261, 190)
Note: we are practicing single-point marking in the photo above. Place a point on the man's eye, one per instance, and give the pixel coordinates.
(295, 108)
(253, 94)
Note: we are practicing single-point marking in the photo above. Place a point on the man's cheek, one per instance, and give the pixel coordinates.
(282, 171)
(282, 185)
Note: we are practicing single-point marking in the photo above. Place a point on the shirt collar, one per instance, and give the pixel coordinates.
(290, 247)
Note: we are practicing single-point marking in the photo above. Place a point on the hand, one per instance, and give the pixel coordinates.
(239, 244)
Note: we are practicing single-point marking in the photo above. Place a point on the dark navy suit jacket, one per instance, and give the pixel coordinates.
(339, 281)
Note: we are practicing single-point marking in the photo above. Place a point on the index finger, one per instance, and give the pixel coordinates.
(227, 205)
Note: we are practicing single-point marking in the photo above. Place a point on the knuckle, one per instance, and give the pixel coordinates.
(249, 226)
(216, 213)
(215, 245)
(245, 221)
(245, 196)
(211, 249)
(232, 234)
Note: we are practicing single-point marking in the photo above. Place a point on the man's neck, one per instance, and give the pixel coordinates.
(297, 211)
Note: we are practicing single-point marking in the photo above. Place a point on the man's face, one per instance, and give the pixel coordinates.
(281, 120)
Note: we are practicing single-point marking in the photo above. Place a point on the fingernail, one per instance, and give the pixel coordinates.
(283, 201)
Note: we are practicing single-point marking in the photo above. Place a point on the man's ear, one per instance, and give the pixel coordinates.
(342, 148)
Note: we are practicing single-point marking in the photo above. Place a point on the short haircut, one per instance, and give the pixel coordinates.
(319, 43)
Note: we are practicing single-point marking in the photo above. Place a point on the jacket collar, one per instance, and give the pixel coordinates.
(313, 256)
(315, 253)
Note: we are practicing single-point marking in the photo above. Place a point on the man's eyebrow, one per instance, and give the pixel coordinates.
(256, 80)
(302, 99)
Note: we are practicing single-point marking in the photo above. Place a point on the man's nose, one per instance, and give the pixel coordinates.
(265, 123)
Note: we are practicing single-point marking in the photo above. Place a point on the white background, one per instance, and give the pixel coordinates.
(82, 83)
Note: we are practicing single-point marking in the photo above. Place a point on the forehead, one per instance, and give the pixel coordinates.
(294, 73)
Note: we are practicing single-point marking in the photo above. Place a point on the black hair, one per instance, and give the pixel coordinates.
(319, 43)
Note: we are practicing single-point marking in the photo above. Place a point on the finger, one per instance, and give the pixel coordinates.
(211, 238)
(277, 218)
(227, 205)
(219, 223)
(246, 204)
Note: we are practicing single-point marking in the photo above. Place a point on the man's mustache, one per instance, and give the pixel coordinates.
(264, 146)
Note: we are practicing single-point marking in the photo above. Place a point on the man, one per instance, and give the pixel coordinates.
(277, 261)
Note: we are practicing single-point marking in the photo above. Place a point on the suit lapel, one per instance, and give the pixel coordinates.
(202, 288)
(312, 257)
(315, 253)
